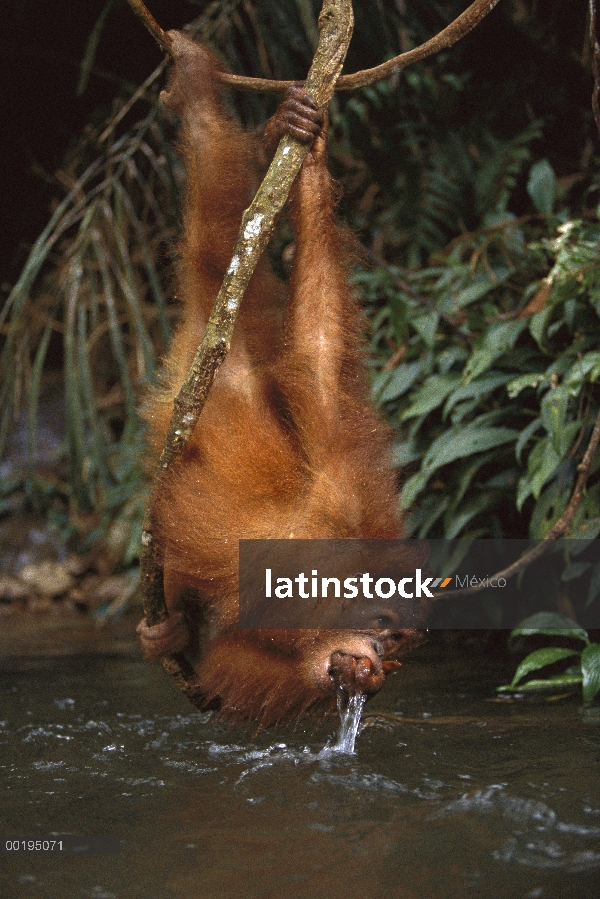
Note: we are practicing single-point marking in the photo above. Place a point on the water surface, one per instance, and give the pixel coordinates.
(449, 793)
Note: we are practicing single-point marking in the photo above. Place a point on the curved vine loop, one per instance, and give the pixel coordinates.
(462, 25)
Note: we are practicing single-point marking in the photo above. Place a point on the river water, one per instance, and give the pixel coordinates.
(450, 793)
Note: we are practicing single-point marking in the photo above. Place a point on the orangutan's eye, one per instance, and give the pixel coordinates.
(383, 622)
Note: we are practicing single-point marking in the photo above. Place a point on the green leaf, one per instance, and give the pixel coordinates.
(456, 522)
(470, 470)
(590, 669)
(525, 436)
(547, 511)
(518, 384)
(478, 388)
(426, 516)
(465, 442)
(496, 340)
(412, 488)
(512, 237)
(426, 327)
(554, 410)
(404, 452)
(430, 395)
(478, 287)
(552, 624)
(449, 447)
(398, 319)
(589, 363)
(541, 186)
(541, 465)
(539, 322)
(582, 536)
(396, 382)
(539, 659)
(450, 356)
(551, 683)
(589, 510)
(495, 415)
(464, 411)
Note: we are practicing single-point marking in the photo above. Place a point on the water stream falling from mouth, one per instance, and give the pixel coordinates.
(350, 707)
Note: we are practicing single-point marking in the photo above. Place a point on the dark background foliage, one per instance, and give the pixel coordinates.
(41, 51)
(523, 61)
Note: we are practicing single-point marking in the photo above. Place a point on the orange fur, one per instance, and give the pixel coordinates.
(287, 445)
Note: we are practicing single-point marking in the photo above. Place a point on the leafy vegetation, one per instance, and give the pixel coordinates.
(496, 394)
(583, 668)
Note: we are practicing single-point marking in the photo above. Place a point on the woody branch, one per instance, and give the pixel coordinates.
(462, 25)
